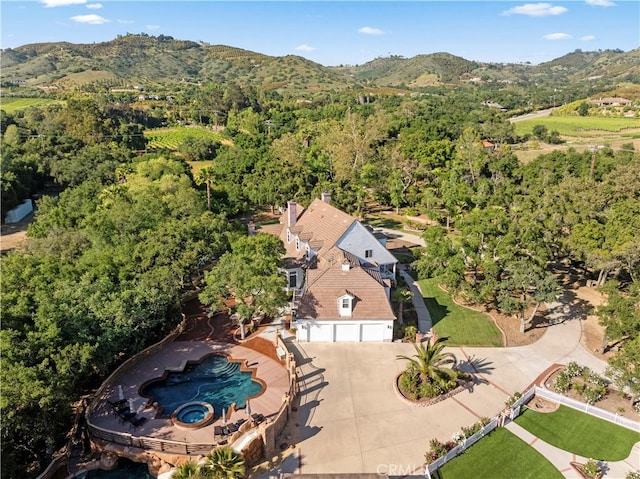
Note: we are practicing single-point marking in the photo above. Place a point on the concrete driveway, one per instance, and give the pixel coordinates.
(351, 420)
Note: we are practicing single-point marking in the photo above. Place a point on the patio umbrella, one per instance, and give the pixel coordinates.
(224, 417)
(120, 392)
(248, 408)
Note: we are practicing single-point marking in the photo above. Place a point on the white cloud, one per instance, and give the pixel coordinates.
(90, 19)
(370, 31)
(125, 22)
(557, 36)
(61, 3)
(305, 48)
(588, 38)
(153, 27)
(601, 3)
(536, 10)
(94, 6)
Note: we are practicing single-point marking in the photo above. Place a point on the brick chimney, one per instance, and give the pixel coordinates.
(326, 197)
(292, 215)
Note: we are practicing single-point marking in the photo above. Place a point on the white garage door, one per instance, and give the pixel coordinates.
(320, 332)
(347, 332)
(373, 332)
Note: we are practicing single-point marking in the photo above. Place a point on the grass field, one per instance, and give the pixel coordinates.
(579, 126)
(463, 326)
(500, 455)
(172, 138)
(13, 104)
(580, 433)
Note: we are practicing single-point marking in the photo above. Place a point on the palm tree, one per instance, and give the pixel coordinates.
(432, 364)
(205, 177)
(187, 470)
(224, 463)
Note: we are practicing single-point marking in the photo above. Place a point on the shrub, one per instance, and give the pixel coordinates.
(596, 379)
(573, 369)
(579, 387)
(458, 437)
(512, 399)
(471, 430)
(592, 395)
(633, 475)
(562, 382)
(428, 390)
(591, 468)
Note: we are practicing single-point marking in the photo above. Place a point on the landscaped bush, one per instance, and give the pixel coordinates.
(591, 386)
(593, 395)
(633, 475)
(427, 374)
(591, 469)
(562, 382)
(573, 369)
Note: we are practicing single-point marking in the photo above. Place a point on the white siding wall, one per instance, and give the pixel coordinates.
(358, 239)
(343, 330)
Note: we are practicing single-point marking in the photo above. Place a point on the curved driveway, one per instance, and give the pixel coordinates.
(351, 421)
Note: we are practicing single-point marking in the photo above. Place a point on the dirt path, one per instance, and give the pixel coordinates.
(11, 235)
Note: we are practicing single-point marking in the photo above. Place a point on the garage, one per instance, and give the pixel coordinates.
(373, 332)
(347, 332)
(320, 332)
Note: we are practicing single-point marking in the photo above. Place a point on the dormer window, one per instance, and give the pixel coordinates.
(308, 250)
(345, 304)
(368, 253)
(297, 244)
(288, 235)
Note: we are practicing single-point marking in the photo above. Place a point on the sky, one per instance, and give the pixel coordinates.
(341, 32)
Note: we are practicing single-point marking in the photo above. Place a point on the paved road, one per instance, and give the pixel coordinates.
(529, 116)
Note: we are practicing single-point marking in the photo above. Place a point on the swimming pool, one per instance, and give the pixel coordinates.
(215, 380)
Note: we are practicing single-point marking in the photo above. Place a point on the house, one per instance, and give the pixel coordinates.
(611, 101)
(339, 274)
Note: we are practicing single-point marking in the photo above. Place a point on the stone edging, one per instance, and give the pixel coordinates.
(432, 401)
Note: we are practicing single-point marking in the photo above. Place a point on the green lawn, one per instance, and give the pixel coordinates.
(580, 433)
(463, 326)
(13, 104)
(500, 455)
(579, 125)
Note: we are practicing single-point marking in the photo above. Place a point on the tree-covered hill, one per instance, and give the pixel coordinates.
(162, 59)
(142, 58)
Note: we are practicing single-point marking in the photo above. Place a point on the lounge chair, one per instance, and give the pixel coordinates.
(231, 428)
(218, 431)
(126, 416)
(136, 422)
(257, 418)
(117, 403)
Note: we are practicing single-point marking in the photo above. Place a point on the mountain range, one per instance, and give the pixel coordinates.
(141, 58)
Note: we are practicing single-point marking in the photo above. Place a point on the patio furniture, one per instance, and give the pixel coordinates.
(126, 416)
(257, 418)
(118, 403)
(231, 428)
(136, 422)
(218, 431)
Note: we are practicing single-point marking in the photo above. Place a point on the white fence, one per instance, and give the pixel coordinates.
(584, 407)
(460, 448)
(515, 411)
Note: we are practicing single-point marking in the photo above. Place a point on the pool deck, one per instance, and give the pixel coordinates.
(173, 358)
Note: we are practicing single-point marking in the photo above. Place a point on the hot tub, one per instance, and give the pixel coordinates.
(193, 415)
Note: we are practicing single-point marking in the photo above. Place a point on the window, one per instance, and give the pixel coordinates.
(293, 279)
(346, 303)
(288, 236)
(297, 243)
(368, 253)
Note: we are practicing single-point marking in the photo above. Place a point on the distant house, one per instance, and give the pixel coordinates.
(493, 104)
(488, 146)
(339, 273)
(611, 101)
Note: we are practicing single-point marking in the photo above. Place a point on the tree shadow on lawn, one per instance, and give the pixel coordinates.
(437, 311)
